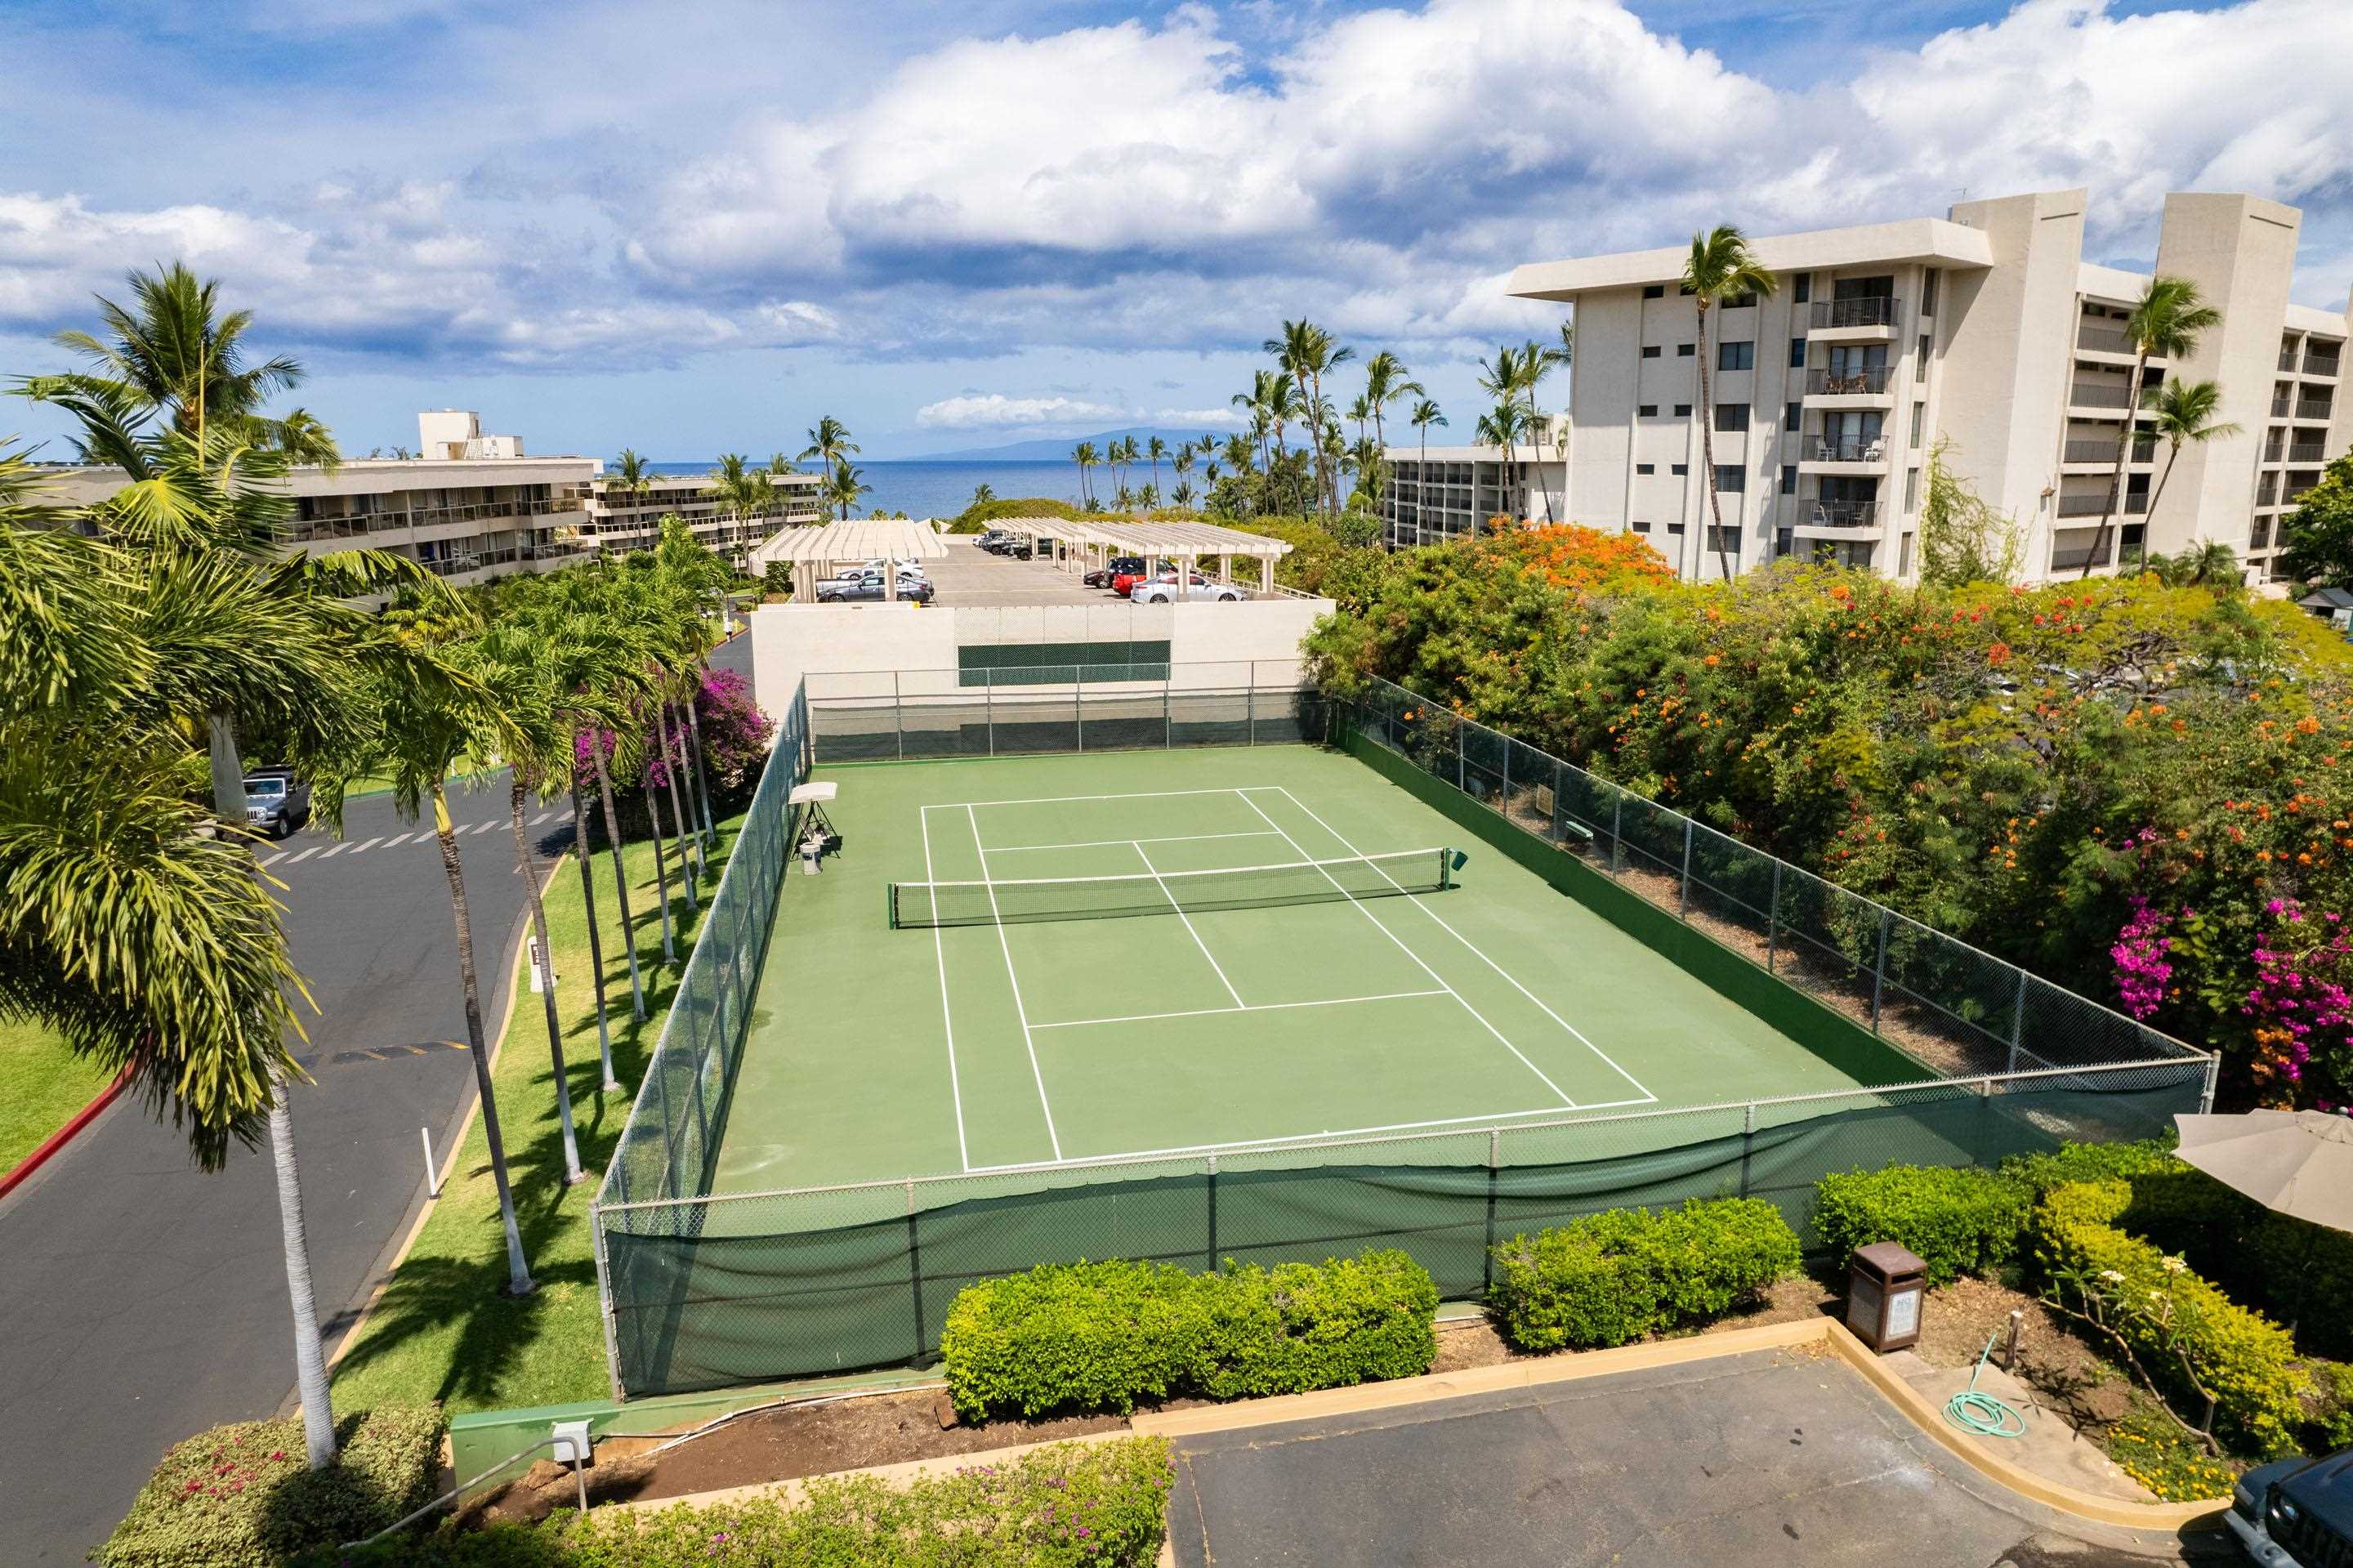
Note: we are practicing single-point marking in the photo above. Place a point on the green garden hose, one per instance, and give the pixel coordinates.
(1982, 1413)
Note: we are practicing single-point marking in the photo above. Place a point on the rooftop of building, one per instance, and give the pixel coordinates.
(1934, 240)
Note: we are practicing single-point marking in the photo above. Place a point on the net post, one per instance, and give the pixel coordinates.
(1487, 1254)
(1682, 886)
(1748, 1142)
(1879, 968)
(1773, 917)
(2206, 1091)
(915, 1264)
(2017, 1022)
(898, 716)
(1212, 1162)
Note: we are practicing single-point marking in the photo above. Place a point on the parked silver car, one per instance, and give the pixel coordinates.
(1166, 592)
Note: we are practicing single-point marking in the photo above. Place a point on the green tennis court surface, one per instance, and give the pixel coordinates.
(1353, 1004)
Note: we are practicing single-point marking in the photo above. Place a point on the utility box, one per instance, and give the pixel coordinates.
(1884, 1288)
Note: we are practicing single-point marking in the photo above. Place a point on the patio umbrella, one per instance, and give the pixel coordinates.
(2298, 1163)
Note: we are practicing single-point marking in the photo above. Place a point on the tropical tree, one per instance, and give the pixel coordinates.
(1501, 427)
(604, 689)
(2208, 563)
(1721, 268)
(1157, 450)
(1361, 411)
(1305, 351)
(1183, 463)
(2182, 414)
(736, 487)
(982, 495)
(1387, 381)
(1425, 413)
(1183, 494)
(304, 440)
(631, 476)
(1537, 361)
(2319, 532)
(1086, 457)
(845, 487)
(2165, 322)
(829, 444)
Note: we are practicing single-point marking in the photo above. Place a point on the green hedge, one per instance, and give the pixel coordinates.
(2244, 1360)
(1959, 1219)
(2092, 1162)
(1100, 1336)
(1615, 1277)
(1103, 1505)
(244, 1497)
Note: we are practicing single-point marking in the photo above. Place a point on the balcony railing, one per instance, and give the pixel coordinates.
(2094, 504)
(452, 565)
(2100, 397)
(2076, 557)
(2287, 359)
(2104, 340)
(2297, 492)
(1868, 380)
(2304, 451)
(2106, 451)
(2314, 407)
(1876, 311)
(2321, 364)
(1844, 449)
(1841, 515)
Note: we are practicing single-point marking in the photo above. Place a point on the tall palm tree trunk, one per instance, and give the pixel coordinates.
(2116, 478)
(2172, 456)
(310, 1361)
(672, 766)
(621, 877)
(519, 1282)
(1535, 437)
(702, 775)
(1708, 448)
(546, 980)
(595, 943)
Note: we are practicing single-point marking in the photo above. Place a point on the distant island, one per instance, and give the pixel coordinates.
(1057, 448)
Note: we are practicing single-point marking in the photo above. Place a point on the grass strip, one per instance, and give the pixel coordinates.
(42, 1084)
(444, 1328)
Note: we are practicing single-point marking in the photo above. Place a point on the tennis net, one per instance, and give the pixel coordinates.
(922, 904)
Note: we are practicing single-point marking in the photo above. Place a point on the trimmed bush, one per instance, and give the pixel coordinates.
(243, 1496)
(2245, 1361)
(1103, 1505)
(1959, 1219)
(1613, 1277)
(1100, 1336)
(2092, 1162)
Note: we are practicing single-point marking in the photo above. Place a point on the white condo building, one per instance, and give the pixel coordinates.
(1984, 329)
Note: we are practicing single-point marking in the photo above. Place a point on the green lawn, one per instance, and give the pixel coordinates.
(41, 1084)
(445, 1329)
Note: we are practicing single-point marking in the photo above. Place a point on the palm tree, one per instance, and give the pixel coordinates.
(2182, 414)
(1183, 463)
(2165, 323)
(1361, 411)
(846, 486)
(735, 487)
(630, 477)
(171, 353)
(1284, 403)
(605, 677)
(1158, 450)
(1387, 381)
(1086, 457)
(1123, 499)
(1183, 494)
(303, 439)
(1721, 268)
(1425, 414)
(982, 495)
(829, 443)
(1307, 352)
(1536, 361)
(1502, 427)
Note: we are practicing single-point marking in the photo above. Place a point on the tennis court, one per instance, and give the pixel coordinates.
(1145, 952)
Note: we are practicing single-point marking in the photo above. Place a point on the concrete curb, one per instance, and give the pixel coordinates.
(1823, 1334)
(49, 1147)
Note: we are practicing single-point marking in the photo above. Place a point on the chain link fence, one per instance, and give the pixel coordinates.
(1010, 711)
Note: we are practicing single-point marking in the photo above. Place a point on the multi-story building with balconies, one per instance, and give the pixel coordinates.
(618, 518)
(1986, 331)
(1434, 494)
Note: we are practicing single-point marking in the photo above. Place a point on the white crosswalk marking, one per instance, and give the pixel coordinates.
(564, 820)
(401, 840)
(335, 852)
(273, 860)
(541, 818)
(363, 849)
(306, 854)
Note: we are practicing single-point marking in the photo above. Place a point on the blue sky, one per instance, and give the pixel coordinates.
(697, 228)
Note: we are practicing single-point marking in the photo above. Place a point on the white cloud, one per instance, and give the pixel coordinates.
(1224, 418)
(987, 410)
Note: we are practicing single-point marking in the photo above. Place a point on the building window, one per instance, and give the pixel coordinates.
(1928, 293)
(1788, 479)
(1731, 478)
(1903, 558)
(1735, 355)
(1797, 354)
(1741, 303)
(1684, 289)
(1675, 528)
(1648, 411)
(1646, 468)
(1683, 410)
(1732, 417)
(1793, 417)
(1679, 468)
(1640, 525)
(1920, 359)
(1650, 351)
(1912, 490)
(1802, 287)
(1684, 350)
(1725, 539)
(1654, 290)
(1919, 420)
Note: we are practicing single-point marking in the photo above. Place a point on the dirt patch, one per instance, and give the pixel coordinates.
(2071, 1378)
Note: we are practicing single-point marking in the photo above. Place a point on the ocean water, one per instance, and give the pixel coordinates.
(944, 489)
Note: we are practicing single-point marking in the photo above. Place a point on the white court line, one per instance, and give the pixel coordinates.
(1014, 979)
(332, 853)
(363, 849)
(273, 860)
(1221, 1012)
(1407, 951)
(948, 1015)
(1101, 843)
(1278, 1144)
(1491, 963)
(306, 854)
(1057, 799)
(1173, 905)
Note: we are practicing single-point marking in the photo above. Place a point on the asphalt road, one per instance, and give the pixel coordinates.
(1768, 1457)
(143, 1300)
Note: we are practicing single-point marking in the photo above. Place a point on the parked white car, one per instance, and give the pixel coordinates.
(1197, 591)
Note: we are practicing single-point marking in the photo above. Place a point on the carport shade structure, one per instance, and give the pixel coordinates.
(816, 553)
(1183, 542)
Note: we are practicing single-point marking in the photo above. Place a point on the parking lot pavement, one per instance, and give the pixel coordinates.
(968, 575)
(1771, 1457)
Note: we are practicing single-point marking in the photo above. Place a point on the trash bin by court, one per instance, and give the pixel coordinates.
(1884, 1286)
